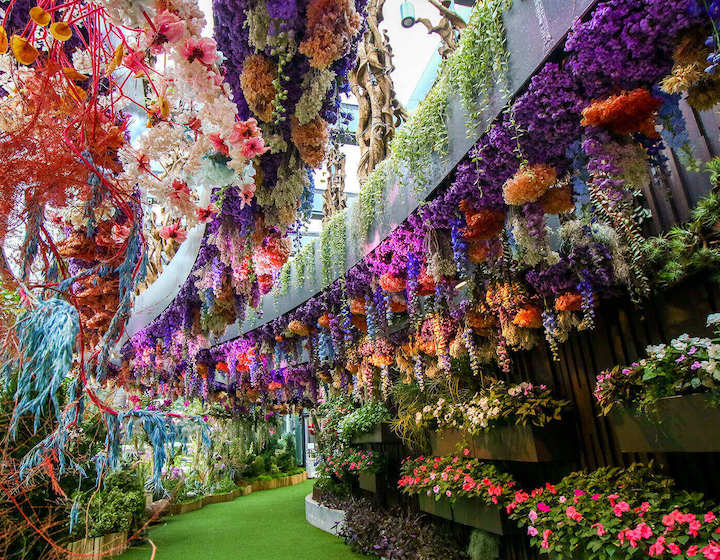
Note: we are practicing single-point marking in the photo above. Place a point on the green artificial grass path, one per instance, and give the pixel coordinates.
(266, 525)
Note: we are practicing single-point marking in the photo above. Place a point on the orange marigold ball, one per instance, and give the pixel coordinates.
(256, 80)
(298, 327)
(391, 283)
(529, 184)
(569, 301)
(528, 317)
(483, 225)
(557, 201)
(357, 306)
(324, 321)
(625, 113)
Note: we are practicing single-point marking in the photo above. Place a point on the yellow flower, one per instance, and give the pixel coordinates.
(73, 74)
(39, 16)
(164, 107)
(116, 60)
(76, 92)
(61, 31)
(3, 40)
(24, 52)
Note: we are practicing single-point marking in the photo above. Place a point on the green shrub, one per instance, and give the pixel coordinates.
(256, 467)
(118, 506)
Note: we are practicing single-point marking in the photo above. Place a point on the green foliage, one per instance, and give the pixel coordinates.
(684, 366)
(363, 419)
(305, 263)
(333, 249)
(483, 546)
(371, 200)
(256, 467)
(692, 248)
(481, 59)
(423, 135)
(284, 280)
(118, 506)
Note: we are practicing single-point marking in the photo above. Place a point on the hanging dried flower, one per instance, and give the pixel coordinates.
(557, 201)
(331, 26)
(257, 80)
(529, 184)
(569, 301)
(310, 139)
(528, 317)
(61, 31)
(483, 225)
(392, 283)
(625, 113)
(24, 52)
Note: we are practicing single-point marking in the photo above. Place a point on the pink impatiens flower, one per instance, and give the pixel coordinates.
(203, 49)
(542, 506)
(532, 531)
(600, 529)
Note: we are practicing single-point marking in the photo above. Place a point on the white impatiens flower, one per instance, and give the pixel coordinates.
(713, 319)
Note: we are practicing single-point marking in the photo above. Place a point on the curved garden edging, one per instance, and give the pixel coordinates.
(322, 517)
(272, 484)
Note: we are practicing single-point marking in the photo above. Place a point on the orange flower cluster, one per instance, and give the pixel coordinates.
(480, 251)
(310, 139)
(257, 78)
(557, 201)
(357, 306)
(397, 303)
(569, 301)
(359, 322)
(625, 113)
(528, 317)
(324, 321)
(298, 327)
(426, 284)
(529, 184)
(331, 25)
(391, 283)
(479, 321)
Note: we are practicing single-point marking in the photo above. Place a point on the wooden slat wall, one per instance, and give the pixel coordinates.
(623, 331)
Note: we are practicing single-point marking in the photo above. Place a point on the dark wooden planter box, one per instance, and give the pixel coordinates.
(381, 434)
(508, 443)
(472, 512)
(371, 481)
(682, 424)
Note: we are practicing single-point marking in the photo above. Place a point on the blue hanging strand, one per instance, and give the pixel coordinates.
(46, 337)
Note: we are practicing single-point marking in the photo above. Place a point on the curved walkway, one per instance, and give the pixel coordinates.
(267, 525)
